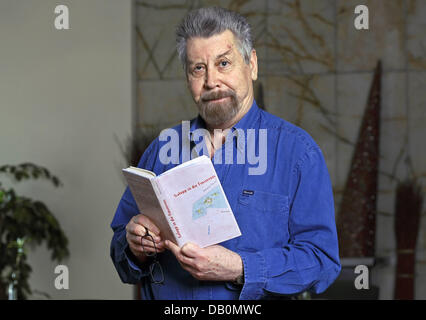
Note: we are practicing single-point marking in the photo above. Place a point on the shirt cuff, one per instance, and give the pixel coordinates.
(254, 275)
(136, 268)
(132, 260)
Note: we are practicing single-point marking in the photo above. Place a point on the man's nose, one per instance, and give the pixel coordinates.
(211, 79)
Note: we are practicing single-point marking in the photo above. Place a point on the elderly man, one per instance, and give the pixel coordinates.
(285, 212)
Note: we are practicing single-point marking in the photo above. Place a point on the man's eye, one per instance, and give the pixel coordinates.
(224, 63)
(198, 68)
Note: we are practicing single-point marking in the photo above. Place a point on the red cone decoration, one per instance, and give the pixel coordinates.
(357, 215)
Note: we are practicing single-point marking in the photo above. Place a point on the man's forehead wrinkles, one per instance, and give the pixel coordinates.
(229, 51)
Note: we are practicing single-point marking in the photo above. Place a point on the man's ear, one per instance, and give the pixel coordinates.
(253, 65)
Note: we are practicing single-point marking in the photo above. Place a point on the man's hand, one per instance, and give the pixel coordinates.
(211, 263)
(136, 229)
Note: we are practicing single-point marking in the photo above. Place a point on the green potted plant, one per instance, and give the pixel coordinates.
(24, 222)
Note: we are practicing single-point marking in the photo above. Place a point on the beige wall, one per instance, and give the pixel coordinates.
(63, 96)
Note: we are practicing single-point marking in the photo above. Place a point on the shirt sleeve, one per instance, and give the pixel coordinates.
(129, 268)
(310, 260)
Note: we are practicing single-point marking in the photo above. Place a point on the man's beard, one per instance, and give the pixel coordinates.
(217, 113)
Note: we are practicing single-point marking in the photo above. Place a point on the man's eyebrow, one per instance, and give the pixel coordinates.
(223, 54)
(190, 62)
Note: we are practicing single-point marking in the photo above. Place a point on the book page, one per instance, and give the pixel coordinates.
(199, 204)
(142, 172)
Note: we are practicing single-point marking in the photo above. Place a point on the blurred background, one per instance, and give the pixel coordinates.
(77, 105)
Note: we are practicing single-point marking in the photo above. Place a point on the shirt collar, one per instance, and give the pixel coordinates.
(249, 119)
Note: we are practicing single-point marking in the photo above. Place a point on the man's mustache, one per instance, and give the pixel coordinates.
(217, 95)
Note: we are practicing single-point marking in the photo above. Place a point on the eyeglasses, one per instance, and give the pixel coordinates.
(155, 269)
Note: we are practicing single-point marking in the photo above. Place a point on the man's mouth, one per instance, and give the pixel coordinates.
(216, 99)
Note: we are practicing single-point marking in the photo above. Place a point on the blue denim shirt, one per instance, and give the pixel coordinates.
(285, 214)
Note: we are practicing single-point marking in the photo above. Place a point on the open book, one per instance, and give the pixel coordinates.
(186, 202)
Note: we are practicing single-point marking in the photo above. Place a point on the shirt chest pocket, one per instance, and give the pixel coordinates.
(263, 220)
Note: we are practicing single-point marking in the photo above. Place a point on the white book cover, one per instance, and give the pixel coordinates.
(194, 203)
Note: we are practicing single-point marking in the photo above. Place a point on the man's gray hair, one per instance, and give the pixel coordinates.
(207, 22)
